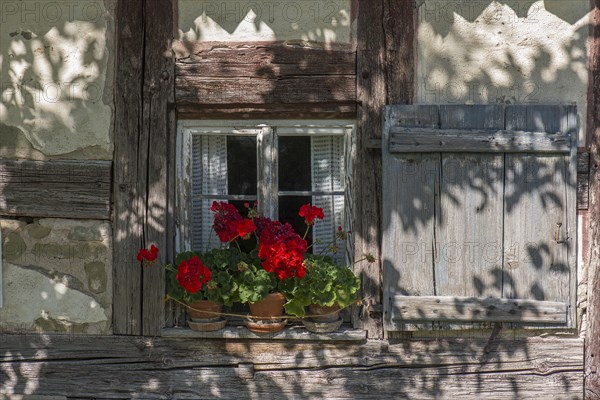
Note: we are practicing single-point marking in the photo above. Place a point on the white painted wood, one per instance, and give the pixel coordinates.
(267, 182)
(460, 309)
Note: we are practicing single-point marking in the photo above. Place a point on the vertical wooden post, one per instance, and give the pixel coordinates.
(143, 161)
(129, 177)
(385, 69)
(159, 129)
(592, 341)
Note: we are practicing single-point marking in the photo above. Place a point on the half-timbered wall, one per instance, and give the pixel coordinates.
(87, 178)
(56, 151)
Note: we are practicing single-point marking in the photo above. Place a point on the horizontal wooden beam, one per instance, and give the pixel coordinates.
(426, 140)
(462, 309)
(250, 89)
(251, 78)
(79, 366)
(59, 189)
(330, 110)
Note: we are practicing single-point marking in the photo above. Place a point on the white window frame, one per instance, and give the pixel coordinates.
(266, 132)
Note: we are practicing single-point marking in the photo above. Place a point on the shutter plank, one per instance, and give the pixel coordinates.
(457, 116)
(424, 140)
(469, 255)
(474, 309)
(536, 263)
(469, 224)
(467, 260)
(424, 116)
(412, 183)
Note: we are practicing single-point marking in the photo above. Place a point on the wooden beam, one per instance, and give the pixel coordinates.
(583, 178)
(252, 77)
(55, 189)
(159, 132)
(129, 185)
(128, 367)
(463, 309)
(267, 111)
(385, 70)
(592, 352)
(144, 161)
(424, 140)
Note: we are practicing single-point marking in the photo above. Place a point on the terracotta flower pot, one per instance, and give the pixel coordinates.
(204, 310)
(270, 306)
(324, 314)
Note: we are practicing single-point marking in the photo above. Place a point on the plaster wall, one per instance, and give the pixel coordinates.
(511, 52)
(56, 102)
(57, 275)
(56, 79)
(320, 21)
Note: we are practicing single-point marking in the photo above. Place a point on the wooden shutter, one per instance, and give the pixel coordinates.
(479, 220)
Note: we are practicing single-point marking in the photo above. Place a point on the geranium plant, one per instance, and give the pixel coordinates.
(325, 283)
(195, 276)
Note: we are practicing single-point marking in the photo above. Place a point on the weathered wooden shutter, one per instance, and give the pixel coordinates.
(479, 220)
(209, 177)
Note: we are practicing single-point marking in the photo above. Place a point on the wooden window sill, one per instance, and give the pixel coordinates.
(291, 333)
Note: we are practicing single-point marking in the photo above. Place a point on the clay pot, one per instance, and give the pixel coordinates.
(270, 306)
(324, 314)
(322, 327)
(198, 311)
(263, 326)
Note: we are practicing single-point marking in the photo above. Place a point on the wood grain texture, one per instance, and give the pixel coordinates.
(461, 309)
(421, 140)
(540, 209)
(129, 185)
(55, 189)
(464, 224)
(583, 178)
(385, 70)
(159, 129)
(288, 77)
(592, 352)
(144, 162)
(128, 367)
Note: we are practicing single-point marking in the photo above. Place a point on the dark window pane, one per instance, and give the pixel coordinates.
(294, 163)
(289, 206)
(241, 165)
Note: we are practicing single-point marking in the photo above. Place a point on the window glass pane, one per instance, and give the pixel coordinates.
(289, 206)
(294, 163)
(241, 165)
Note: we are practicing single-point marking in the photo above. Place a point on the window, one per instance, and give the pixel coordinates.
(279, 164)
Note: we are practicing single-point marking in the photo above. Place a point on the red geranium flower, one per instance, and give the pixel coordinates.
(282, 250)
(226, 219)
(310, 213)
(192, 274)
(245, 228)
(148, 255)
